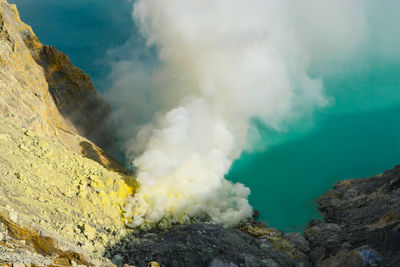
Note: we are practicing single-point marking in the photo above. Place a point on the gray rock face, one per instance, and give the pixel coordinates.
(362, 223)
(298, 240)
(204, 245)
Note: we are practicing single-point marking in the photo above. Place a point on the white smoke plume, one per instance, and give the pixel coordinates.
(221, 63)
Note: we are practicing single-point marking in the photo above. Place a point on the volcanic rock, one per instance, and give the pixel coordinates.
(361, 223)
(205, 244)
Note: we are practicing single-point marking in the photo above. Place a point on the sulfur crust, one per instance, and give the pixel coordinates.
(60, 190)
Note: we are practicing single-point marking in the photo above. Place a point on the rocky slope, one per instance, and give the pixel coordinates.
(49, 187)
(42, 91)
(60, 194)
(204, 244)
(361, 223)
(73, 93)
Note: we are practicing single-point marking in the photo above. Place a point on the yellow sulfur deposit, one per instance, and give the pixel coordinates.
(60, 190)
(54, 180)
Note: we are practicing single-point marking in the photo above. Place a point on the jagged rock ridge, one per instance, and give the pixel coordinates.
(362, 223)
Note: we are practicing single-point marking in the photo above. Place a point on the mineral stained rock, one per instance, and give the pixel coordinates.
(74, 94)
(42, 91)
(362, 223)
(60, 194)
(210, 245)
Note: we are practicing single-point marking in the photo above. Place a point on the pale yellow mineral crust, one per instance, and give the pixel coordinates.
(67, 110)
(57, 188)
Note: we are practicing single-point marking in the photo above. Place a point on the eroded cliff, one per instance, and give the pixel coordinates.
(41, 90)
(57, 187)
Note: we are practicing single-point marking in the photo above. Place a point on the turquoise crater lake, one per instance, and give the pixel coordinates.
(357, 135)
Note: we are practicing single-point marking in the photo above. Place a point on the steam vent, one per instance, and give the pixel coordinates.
(195, 95)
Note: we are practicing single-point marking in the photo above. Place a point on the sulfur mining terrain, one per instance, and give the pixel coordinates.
(62, 198)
